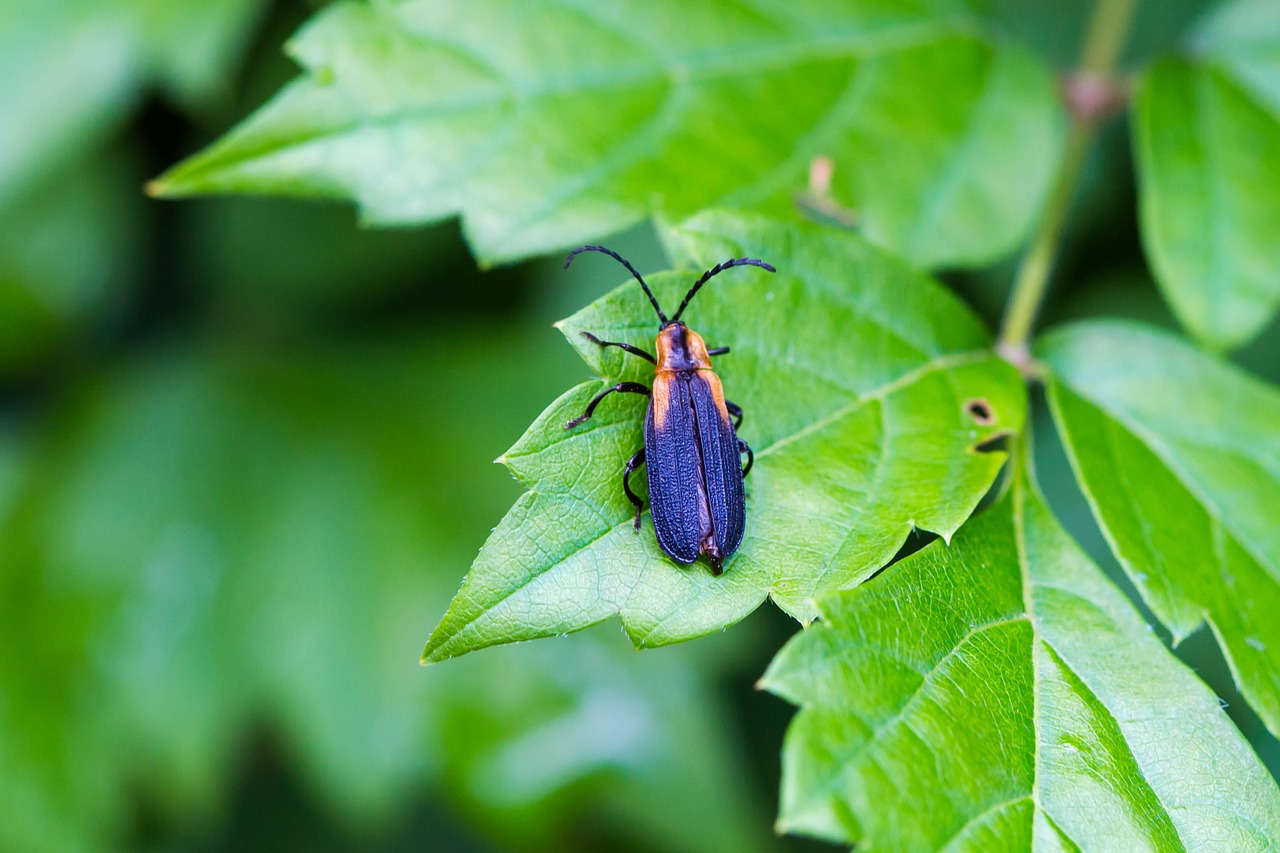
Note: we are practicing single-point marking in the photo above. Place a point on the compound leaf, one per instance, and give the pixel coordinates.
(1179, 456)
(546, 124)
(1002, 694)
(857, 376)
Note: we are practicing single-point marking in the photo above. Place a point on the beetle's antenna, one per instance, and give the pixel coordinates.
(718, 268)
(611, 253)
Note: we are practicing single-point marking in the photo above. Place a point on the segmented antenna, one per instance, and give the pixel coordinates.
(611, 253)
(717, 269)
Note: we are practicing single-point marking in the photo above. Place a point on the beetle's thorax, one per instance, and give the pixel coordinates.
(680, 348)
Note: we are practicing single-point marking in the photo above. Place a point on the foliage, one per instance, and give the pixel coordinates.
(1207, 139)
(77, 66)
(855, 374)
(72, 73)
(67, 256)
(265, 559)
(547, 123)
(242, 445)
(1003, 695)
(1179, 455)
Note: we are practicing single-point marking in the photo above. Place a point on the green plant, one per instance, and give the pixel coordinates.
(994, 689)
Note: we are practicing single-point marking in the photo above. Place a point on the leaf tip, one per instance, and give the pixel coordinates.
(431, 652)
(807, 619)
(156, 188)
(435, 649)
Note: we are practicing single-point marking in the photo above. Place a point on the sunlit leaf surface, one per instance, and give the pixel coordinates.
(1207, 143)
(548, 123)
(1001, 694)
(856, 375)
(1179, 455)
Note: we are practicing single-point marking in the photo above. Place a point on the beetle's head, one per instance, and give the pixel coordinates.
(681, 348)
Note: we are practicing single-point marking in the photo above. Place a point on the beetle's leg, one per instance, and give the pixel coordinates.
(735, 411)
(743, 447)
(632, 464)
(624, 347)
(622, 387)
(718, 351)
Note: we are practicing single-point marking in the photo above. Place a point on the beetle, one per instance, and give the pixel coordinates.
(691, 451)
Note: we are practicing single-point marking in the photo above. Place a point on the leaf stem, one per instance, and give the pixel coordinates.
(1090, 94)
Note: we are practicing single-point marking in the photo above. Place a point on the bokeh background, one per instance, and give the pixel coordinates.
(245, 454)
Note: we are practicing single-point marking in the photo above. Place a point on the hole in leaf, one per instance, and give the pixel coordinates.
(980, 410)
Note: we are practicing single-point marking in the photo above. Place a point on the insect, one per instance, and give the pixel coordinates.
(692, 451)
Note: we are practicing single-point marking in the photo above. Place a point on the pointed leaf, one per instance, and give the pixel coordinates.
(546, 124)
(855, 374)
(1001, 694)
(1208, 155)
(1179, 456)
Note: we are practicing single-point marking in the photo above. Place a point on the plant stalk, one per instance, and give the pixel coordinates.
(1089, 94)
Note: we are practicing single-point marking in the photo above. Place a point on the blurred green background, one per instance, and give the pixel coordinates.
(245, 456)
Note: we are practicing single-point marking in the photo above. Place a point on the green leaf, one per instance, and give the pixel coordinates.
(545, 124)
(207, 543)
(72, 70)
(1208, 155)
(1179, 456)
(854, 372)
(1243, 38)
(1002, 694)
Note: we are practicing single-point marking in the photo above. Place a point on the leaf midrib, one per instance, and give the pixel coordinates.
(928, 678)
(993, 809)
(1028, 586)
(749, 59)
(859, 307)
(935, 364)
